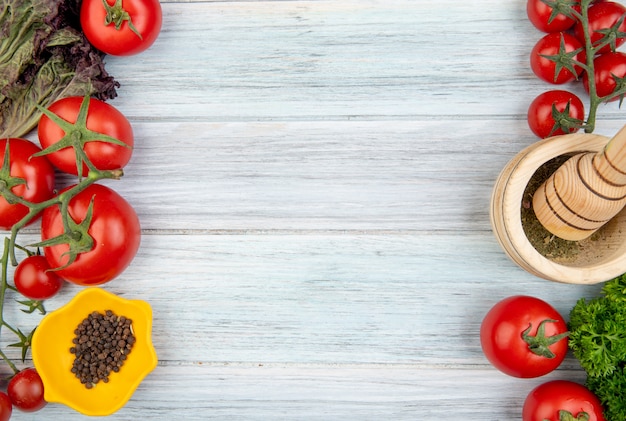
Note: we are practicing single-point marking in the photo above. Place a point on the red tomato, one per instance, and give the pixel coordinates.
(541, 16)
(26, 390)
(125, 27)
(512, 339)
(37, 173)
(603, 16)
(114, 228)
(545, 402)
(102, 118)
(555, 44)
(570, 112)
(6, 407)
(608, 67)
(34, 279)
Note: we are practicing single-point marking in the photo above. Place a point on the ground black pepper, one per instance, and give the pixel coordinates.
(101, 345)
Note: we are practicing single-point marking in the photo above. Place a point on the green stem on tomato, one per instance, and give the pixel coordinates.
(4, 285)
(590, 51)
(62, 199)
(594, 101)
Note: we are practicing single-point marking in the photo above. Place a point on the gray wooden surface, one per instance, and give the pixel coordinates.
(313, 180)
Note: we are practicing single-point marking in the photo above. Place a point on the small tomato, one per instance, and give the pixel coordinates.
(543, 17)
(605, 18)
(548, 58)
(610, 75)
(34, 279)
(6, 407)
(26, 390)
(554, 113)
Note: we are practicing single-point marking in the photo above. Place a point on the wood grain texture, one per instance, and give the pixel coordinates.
(313, 181)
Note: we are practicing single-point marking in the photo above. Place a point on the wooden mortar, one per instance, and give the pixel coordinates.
(605, 261)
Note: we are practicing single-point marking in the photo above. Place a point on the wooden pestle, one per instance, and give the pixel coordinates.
(584, 193)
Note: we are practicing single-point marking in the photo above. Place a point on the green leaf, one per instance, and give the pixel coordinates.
(77, 135)
(611, 34)
(24, 343)
(611, 390)
(615, 289)
(563, 59)
(76, 235)
(620, 86)
(564, 121)
(7, 182)
(564, 7)
(32, 306)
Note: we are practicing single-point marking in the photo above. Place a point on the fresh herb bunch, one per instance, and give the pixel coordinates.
(44, 56)
(598, 340)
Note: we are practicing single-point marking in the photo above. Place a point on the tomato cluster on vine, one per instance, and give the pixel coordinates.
(580, 44)
(89, 233)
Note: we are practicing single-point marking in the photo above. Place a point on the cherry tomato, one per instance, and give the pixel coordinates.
(34, 279)
(609, 70)
(540, 14)
(552, 45)
(546, 401)
(38, 176)
(114, 228)
(602, 16)
(121, 27)
(541, 113)
(524, 337)
(26, 390)
(6, 407)
(101, 118)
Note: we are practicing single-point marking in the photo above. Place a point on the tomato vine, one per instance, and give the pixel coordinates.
(75, 234)
(591, 51)
(595, 43)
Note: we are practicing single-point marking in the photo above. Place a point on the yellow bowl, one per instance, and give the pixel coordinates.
(52, 358)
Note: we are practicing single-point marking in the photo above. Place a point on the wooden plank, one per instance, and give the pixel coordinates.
(323, 298)
(356, 175)
(286, 392)
(233, 61)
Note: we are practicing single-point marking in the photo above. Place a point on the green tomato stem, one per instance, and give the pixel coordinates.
(62, 199)
(116, 15)
(4, 285)
(590, 51)
(540, 343)
(594, 101)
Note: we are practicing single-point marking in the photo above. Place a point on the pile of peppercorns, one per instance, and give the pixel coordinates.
(101, 346)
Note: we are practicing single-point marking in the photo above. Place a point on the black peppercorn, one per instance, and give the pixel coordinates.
(101, 345)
